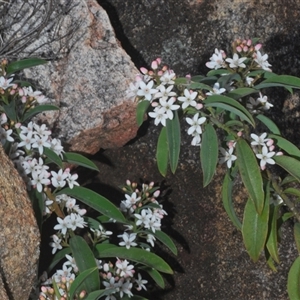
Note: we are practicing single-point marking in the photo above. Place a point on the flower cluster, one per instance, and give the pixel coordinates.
(145, 212)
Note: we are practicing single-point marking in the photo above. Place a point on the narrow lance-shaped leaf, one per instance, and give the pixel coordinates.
(58, 257)
(136, 254)
(39, 109)
(250, 174)
(209, 153)
(272, 239)
(95, 201)
(53, 157)
(290, 164)
(241, 92)
(141, 109)
(165, 239)
(80, 160)
(297, 235)
(269, 123)
(162, 152)
(227, 200)
(282, 80)
(293, 285)
(24, 64)
(231, 105)
(79, 282)
(85, 260)
(156, 276)
(173, 135)
(285, 145)
(255, 229)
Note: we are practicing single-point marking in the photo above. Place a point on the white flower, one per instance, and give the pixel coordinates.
(168, 107)
(71, 262)
(144, 217)
(5, 135)
(27, 140)
(265, 157)
(55, 244)
(264, 101)
(39, 180)
(58, 179)
(262, 61)
(259, 140)
(123, 269)
(75, 221)
(216, 90)
(57, 147)
(125, 288)
(216, 60)
(236, 62)
(249, 80)
(40, 143)
(188, 99)
(196, 141)
(164, 93)
(146, 90)
(227, 157)
(140, 283)
(5, 82)
(63, 224)
(150, 239)
(195, 124)
(159, 115)
(167, 77)
(128, 240)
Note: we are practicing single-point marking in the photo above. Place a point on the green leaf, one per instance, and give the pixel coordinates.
(181, 81)
(173, 136)
(38, 206)
(288, 179)
(80, 160)
(241, 92)
(250, 174)
(272, 239)
(98, 294)
(197, 78)
(79, 282)
(85, 260)
(162, 152)
(53, 157)
(165, 239)
(297, 235)
(209, 153)
(10, 110)
(39, 109)
(290, 164)
(255, 229)
(285, 145)
(233, 123)
(92, 223)
(217, 72)
(137, 255)
(61, 254)
(293, 285)
(199, 86)
(292, 191)
(285, 80)
(95, 201)
(230, 105)
(141, 109)
(227, 200)
(156, 276)
(269, 123)
(265, 74)
(24, 64)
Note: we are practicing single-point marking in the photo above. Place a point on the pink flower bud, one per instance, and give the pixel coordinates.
(271, 148)
(160, 73)
(143, 70)
(151, 73)
(18, 125)
(12, 92)
(279, 153)
(263, 167)
(188, 76)
(154, 65)
(249, 42)
(154, 104)
(156, 193)
(240, 133)
(257, 47)
(82, 294)
(223, 53)
(239, 49)
(270, 142)
(245, 48)
(199, 106)
(164, 68)
(128, 182)
(23, 99)
(138, 78)
(158, 61)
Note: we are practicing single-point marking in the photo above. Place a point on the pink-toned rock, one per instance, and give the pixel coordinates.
(89, 83)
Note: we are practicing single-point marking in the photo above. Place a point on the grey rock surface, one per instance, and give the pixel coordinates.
(88, 80)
